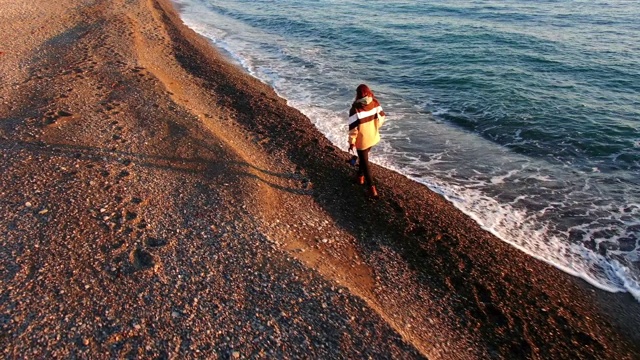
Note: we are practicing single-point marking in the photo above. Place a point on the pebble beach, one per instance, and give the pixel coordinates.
(156, 201)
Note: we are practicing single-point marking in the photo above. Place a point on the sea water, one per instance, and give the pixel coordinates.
(524, 114)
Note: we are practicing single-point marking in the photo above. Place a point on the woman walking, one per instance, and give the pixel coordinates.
(365, 118)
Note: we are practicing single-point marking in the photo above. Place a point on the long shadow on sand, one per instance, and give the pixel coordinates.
(194, 165)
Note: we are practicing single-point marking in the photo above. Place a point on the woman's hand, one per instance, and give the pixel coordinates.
(352, 147)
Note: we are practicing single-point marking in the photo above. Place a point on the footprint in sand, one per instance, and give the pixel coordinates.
(53, 117)
(142, 259)
(130, 215)
(111, 108)
(155, 242)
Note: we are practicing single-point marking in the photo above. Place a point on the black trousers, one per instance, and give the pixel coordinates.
(363, 166)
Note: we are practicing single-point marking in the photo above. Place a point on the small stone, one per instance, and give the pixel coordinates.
(43, 211)
(325, 241)
(175, 314)
(27, 204)
(85, 341)
(236, 354)
(136, 326)
(103, 210)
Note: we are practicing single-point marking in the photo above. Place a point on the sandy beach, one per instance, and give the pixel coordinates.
(158, 202)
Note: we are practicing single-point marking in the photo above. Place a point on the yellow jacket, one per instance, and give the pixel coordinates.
(365, 118)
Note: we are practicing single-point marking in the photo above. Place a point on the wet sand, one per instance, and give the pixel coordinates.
(156, 201)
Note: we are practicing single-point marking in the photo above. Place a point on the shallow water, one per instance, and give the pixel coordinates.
(525, 115)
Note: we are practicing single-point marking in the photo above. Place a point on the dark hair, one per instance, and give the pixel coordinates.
(363, 91)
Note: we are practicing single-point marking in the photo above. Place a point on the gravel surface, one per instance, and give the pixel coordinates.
(157, 202)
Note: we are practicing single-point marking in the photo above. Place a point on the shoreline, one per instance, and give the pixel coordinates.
(224, 206)
(580, 278)
(599, 283)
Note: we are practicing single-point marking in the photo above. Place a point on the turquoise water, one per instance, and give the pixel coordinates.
(525, 115)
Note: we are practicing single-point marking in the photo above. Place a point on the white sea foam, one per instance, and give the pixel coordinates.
(499, 179)
(441, 111)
